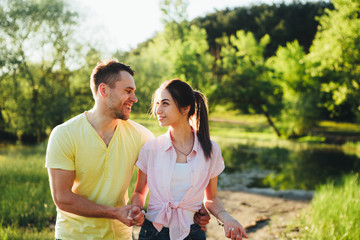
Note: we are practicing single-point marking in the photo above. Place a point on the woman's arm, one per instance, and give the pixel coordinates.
(139, 197)
(233, 229)
(141, 190)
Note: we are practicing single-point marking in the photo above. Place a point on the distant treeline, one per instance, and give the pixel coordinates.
(295, 63)
(282, 22)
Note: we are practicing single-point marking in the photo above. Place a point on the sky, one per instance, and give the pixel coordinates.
(122, 24)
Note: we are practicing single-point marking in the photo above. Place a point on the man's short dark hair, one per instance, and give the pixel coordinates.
(106, 71)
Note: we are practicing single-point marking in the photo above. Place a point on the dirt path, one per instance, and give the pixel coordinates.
(264, 217)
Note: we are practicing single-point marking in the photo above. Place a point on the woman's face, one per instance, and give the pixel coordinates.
(167, 112)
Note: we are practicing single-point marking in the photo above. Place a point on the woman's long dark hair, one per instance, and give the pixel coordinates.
(184, 96)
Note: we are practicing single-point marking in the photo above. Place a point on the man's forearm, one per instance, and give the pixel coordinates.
(73, 203)
(81, 206)
(61, 182)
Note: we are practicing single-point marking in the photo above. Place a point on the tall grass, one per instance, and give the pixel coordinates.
(17, 233)
(334, 213)
(26, 207)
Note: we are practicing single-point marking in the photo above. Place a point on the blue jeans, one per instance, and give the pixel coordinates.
(149, 232)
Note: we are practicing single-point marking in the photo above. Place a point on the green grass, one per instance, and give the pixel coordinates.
(16, 233)
(26, 207)
(353, 147)
(334, 213)
(338, 127)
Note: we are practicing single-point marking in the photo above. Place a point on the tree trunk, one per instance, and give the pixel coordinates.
(2, 122)
(268, 118)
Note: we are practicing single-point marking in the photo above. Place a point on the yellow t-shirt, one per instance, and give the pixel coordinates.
(103, 173)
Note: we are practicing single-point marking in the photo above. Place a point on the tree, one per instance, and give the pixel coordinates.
(282, 22)
(80, 94)
(191, 60)
(179, 51)
(187, 47)
(151, 66)
(245, 81)
(37, 38)
(335, 59)
(300, 93)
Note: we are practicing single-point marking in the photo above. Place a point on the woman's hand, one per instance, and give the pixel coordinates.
(136, 215)
(234, 230)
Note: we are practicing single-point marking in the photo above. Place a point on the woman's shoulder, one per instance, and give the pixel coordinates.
(157, 142)
(216, 147)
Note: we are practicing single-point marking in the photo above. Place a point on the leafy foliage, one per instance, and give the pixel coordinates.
(228, 55)
(282, 22)
(244, 78)
(335, 59)
(180, 51)
(300, 94)
(37, 94)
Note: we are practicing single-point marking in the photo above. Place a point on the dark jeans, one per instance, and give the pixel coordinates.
(149, 232)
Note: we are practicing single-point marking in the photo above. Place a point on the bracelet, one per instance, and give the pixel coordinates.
(217, 217)
(219, 222)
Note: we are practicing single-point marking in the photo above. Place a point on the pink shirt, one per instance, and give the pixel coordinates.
(157, 160)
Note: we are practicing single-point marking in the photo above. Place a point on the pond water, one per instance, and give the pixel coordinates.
(284, 168)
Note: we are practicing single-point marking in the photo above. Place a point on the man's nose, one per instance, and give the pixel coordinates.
(134, 98)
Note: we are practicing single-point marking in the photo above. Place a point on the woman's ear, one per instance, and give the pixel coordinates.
(186, 110)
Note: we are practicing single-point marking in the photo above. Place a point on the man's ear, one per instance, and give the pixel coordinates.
(103, 89)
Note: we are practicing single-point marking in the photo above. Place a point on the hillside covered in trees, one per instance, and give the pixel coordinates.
(296, 63)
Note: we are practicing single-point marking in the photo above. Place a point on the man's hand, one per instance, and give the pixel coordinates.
(202, 218)
(136, 215)
(122, 214)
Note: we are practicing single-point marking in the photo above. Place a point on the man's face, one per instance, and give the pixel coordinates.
(122, 96)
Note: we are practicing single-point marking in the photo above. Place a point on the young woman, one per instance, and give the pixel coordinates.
(180, 168)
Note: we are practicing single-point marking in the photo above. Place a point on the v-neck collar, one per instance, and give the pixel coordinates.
(98, 136)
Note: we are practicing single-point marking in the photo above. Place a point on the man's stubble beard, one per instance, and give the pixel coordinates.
(121, 116)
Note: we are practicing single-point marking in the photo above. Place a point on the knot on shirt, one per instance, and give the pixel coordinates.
(166, 214)
(173, 204)
(173, 214)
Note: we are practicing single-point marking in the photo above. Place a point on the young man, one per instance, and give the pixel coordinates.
(91, 157)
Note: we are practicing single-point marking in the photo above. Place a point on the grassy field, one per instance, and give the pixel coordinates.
(26, 207)
(27, 210)
(334, 213)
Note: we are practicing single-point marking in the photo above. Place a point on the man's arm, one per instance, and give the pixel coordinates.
(61, 182)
